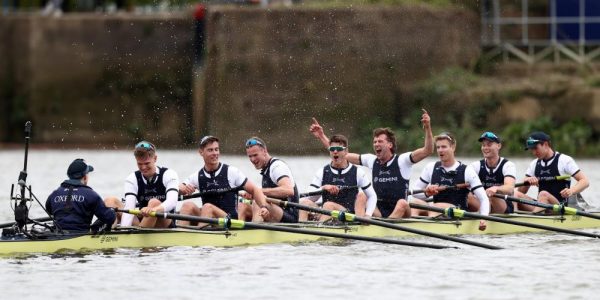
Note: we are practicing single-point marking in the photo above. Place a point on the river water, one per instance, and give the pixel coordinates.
(549, 266)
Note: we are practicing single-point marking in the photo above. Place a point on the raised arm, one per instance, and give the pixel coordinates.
(317, 130)
(427, 149)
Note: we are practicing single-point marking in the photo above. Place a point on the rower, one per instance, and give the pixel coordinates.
(74, 203)
(277, 182)
(497, 174)
(449, 172)
(150, 188)
(341, 173)
(549, 163)
(222, 181)
(390, 171)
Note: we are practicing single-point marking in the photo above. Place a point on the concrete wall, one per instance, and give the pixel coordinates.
(111, 80)
(90, 79)
(269, 71)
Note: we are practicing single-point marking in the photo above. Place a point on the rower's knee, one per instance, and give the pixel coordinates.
(244, 208)
(329, 205)
(208, 207)
(113, 202)
(154, 202)
(402, 204)
(518, 194)
(545, 197)
(308, 202)
(187, 207)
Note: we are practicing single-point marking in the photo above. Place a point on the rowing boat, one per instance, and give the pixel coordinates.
(133, 237)
(18, 237)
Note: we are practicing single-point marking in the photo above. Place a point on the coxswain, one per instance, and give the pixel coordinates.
(74, 204)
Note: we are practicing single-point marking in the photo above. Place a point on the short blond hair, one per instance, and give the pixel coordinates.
(445, 136)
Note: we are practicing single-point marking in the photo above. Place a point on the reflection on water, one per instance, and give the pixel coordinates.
(529, 266)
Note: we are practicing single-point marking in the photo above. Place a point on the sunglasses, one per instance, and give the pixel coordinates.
(205, 139)
(489, 135)
(532, 142)
(144, 145)
(254, 142)
(336, 148)
(446, 135)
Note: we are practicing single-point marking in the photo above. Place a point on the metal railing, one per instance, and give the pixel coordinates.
(553, 44)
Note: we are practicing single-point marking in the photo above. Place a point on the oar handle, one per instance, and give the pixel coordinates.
(209, 193)
(546, 178)
(322, 192)
(441, 188)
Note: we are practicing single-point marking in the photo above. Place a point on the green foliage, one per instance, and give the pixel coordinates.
(573, 137)
(454, 106)
(594, 81)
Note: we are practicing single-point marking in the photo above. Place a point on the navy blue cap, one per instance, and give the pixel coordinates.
(78, 168)
(536, 138)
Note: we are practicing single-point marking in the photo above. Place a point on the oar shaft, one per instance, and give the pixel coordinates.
(352, 217)
(524, 201)
(425, 233)
(558, 208)
(546, 178)
(241, 224)
(462, 213)
(209, 193)
(441, 188)
(321, 192)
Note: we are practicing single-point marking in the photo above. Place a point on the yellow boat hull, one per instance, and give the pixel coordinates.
(152, 238)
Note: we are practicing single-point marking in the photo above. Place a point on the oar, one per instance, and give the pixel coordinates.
(459, 213)
(344, 216)
(239, 224)
(42, 219)
(441, 188)
(210, 193)
(321, 192)
(557, 208)
(466, 185)
(547, 178)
